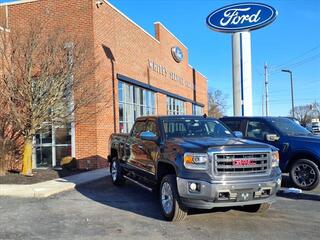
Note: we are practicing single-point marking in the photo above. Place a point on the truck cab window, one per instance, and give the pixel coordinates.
(152, 127)
(258, 130)
(139, 127)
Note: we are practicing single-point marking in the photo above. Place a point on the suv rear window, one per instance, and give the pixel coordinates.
(234, 125)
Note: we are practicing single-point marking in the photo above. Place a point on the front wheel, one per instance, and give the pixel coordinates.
(171, 207)
(116, 173)
(304, 173)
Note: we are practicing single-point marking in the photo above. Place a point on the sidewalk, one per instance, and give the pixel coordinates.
(48, 188)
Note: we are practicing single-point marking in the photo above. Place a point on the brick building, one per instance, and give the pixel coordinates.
(147, 74)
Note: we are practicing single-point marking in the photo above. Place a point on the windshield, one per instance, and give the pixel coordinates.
(289, 127)
(181, 128)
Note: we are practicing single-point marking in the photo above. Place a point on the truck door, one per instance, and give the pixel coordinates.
(257, 130)
(151, 148)
(134, 146)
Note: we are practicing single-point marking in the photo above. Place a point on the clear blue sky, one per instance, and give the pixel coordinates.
(292, 41)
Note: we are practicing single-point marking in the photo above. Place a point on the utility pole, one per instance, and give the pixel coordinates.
(266, 88)
(262, 105)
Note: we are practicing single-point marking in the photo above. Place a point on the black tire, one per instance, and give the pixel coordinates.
(257, 208)
(177, 212)
(304, 174)
(116, 173)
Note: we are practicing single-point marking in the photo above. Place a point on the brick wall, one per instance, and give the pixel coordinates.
(120, 46)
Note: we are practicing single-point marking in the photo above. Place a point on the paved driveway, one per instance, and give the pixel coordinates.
(99, 210)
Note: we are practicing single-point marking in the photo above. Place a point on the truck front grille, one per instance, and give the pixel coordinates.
(241, 164)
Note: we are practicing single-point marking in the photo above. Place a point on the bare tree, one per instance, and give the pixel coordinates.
(47, 77)
(316, 110)
(10, 141)
(307, 112)
(216, 103)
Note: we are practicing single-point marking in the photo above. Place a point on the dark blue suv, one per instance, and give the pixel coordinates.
(299, 149)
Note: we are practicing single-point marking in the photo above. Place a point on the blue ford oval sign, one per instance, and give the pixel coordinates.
(241, 17)
(177, 54)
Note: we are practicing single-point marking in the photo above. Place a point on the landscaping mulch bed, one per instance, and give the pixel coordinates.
(39, 175)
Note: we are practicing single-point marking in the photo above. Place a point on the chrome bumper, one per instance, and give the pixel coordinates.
(227, 193)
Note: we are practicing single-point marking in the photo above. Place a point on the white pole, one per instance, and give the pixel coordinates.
(266, 82)
(242, 74)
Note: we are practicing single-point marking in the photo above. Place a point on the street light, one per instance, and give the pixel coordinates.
(292, 101)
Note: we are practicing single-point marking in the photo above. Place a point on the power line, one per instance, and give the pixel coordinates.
(297, 64)
(299, 56)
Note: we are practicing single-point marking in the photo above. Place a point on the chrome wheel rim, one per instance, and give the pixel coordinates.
(166, 198)
(304, 175)
(114, 171)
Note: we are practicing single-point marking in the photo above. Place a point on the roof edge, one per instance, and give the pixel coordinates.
(130, 20)
(16, 2)
(198, 71)
(171, 34)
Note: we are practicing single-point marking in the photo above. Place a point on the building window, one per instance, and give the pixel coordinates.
(175, 106)
(52, 144)
(134, 102)
(197, 110)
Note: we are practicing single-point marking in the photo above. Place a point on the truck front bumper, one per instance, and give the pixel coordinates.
(228, 193)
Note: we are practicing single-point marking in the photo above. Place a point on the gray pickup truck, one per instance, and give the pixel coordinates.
(195, 162)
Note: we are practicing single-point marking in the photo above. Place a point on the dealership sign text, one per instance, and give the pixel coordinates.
(162, 70)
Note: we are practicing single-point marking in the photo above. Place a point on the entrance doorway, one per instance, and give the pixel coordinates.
(51, 145)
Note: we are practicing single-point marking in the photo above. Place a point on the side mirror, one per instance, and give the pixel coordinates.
(272, 137)
(238, 134)
(148, 136)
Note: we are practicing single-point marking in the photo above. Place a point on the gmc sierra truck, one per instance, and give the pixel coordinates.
(195, 162)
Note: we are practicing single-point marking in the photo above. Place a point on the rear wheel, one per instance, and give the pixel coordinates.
(304, 173)
(171, 207)
(116, 173)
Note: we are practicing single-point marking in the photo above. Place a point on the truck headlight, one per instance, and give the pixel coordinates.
(195, 161)
(275, 159)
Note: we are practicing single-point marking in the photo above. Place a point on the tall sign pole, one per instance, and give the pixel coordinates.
(240, 19)
(241, 73)
(266, 87)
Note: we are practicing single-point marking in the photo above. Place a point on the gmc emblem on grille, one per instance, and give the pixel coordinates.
(243, 162)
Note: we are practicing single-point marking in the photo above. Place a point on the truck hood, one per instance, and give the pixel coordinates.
(204, 143)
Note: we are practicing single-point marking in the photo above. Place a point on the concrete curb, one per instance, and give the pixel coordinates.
(49, 188)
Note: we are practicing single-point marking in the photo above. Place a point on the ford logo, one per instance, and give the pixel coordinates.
(241, 17)
(177, 54)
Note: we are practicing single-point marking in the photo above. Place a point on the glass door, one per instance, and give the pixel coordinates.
(52, 144)
(43, 147)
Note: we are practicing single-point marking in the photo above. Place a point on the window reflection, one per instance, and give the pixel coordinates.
(175, 106)
(197, 110)
(52, 139)
(134, 102)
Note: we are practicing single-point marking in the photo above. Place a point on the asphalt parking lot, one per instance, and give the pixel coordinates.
(98, 210)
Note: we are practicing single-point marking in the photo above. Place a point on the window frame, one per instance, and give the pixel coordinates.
(262, 122)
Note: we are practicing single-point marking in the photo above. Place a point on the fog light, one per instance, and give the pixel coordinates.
(194, 187)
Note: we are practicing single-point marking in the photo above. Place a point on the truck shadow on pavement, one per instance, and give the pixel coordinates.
(128, 197)
(307, 195)
(132, 198)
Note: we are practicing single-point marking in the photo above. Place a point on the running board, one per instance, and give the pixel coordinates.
(139, 184)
